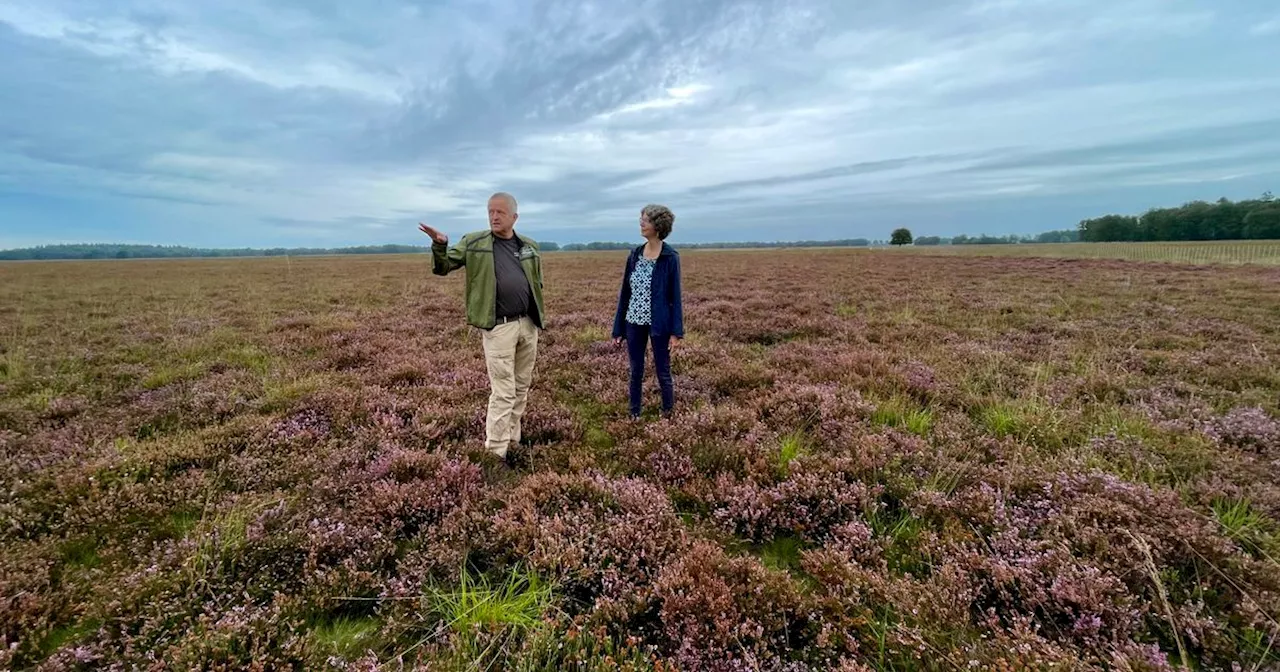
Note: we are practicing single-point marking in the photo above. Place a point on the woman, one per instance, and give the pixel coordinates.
(649, 305)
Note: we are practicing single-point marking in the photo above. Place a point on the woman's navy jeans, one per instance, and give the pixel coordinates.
(637, 341)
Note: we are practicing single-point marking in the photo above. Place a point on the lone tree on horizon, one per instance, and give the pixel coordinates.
(900, 237)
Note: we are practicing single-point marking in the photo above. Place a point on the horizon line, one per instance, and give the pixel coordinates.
(884, 240)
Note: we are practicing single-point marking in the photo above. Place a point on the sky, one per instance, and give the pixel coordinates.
(324, 124)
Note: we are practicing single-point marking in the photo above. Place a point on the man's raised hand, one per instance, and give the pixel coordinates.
(436, 236)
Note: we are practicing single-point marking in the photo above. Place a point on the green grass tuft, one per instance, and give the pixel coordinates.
(590, 334)
(67, 634)
(781, 553)
(249, 357)
(1032, 421)
(901, 532)
(518, 602)
(281, 394)
(179, 523)
(901, 412)
(347, 636)
(1245, 525)
(13, 364)
(81, 552)
(168, 374)
(485, 622)
(793, 445)
(592, 414)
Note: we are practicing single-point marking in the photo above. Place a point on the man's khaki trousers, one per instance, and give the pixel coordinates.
(509, 351)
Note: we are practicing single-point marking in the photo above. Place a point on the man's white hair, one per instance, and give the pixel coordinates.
(511, 200)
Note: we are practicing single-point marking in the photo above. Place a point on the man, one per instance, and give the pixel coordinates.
(503, 292)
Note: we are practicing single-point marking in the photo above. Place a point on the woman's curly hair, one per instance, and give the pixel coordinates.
(661, 217)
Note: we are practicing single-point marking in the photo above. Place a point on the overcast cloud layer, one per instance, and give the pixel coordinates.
(323, 124)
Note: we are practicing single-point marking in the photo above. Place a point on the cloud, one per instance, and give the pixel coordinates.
(150, 44)
(1193, 145)
(1268, 27)
(294, 123)
(672, 97)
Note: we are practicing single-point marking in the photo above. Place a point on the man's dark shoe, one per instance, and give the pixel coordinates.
(491, 464)
(519, 456)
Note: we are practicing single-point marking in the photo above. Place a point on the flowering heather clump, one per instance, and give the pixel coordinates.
(852, 541)
(755, 324)
(831, 414)
(1248, 429)
(308, 425)
(728, 371)
(346, 566)
(332, 541)
(25, 456)
(548, 423)
(413, 491)
(603, 539)
(722, 613)
(1128, 455)
(241, 637)
(62, 409)
(193, 404)
(702, 442)
(1173, 409)
(1077, 552)
(921, 381)
(815, 362)
(221, 396)
(877, 462)
(815, 497)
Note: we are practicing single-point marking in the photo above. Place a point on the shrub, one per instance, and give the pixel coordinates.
(816, 496)
(1247, 429)
(1087, 555)
(602, 540)
(415, 490)
(722, 613)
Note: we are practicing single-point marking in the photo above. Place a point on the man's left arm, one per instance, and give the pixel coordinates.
(445, 259)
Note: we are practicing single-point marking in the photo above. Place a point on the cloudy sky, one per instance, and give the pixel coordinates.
(320, 123)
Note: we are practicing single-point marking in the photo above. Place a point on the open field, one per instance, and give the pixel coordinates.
(879, 462)
(1263, 252)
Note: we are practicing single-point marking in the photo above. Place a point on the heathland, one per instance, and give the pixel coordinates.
(880, 461)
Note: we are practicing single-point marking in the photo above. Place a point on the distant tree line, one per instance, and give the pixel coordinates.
(113, 251)
(1256, 219)
(847, 242)
(1063, 236)
(1261, 216)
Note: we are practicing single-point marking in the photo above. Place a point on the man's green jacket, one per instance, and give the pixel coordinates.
(475, 253)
